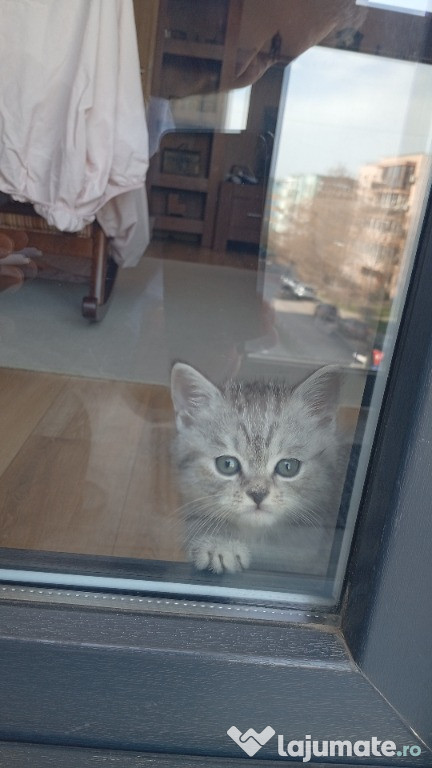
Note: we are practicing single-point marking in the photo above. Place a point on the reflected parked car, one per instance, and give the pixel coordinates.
(354, 328)
(302, 291)
(371, 357)
(327, 312)
(293, 289)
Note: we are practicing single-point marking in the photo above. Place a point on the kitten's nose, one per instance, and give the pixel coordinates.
(258, 496)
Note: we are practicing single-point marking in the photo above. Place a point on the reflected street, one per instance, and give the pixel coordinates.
(300, 335)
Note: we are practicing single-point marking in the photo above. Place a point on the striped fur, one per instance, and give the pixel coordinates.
(258, 423)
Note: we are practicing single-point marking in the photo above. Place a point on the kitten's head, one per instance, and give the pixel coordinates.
(254, 453)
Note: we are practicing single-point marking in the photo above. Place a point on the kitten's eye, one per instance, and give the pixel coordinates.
(288, 467)
(227, 465)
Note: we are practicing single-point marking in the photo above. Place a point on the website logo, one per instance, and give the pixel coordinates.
(308, 748)
(250, 741)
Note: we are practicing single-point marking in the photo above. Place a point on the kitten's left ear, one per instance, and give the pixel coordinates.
(320, 392)
(191, 394)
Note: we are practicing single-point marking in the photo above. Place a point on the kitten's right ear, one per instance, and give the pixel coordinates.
(320, 392)
(191, 393)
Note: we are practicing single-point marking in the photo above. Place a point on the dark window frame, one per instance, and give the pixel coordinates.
(103, 679)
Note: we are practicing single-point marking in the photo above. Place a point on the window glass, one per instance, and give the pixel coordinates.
(209, 435)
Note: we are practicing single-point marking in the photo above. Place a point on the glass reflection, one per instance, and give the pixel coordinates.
(285, 190)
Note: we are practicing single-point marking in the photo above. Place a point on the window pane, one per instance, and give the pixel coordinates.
(210, 435)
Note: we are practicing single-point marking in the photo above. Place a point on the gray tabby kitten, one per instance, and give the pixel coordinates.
(252, 458)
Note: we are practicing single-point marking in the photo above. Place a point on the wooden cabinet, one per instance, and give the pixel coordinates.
(195, 53)
(240, 214)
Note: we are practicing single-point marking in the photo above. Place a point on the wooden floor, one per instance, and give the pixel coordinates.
(85, 467)
(85, 464)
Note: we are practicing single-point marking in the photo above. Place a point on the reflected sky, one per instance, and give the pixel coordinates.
(348, 109)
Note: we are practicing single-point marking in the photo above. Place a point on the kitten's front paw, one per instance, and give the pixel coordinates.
(219, 555)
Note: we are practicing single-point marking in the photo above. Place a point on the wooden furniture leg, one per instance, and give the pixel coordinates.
(23, 227)
(103, 276)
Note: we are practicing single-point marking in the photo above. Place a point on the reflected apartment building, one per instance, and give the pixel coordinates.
(390, 196)
(350, 232)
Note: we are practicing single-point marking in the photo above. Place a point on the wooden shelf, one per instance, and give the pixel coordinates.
(175, 181)
(178, 224)
(192, 196)
(193, 50)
